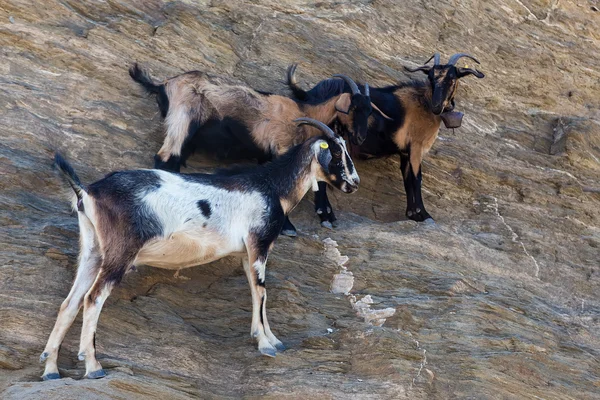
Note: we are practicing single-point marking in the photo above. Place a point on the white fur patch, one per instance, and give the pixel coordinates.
(202, 239)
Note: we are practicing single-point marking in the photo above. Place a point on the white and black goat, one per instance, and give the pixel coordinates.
(173, 221)
(236, 122)
(416, 108)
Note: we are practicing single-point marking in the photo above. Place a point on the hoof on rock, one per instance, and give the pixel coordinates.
(280, 347)
(327, 224)
(289, 233)
(51, 376)
(96, 374)
(44, 357)
(268, 351)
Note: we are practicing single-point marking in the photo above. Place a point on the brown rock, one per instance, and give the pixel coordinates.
(498, 299)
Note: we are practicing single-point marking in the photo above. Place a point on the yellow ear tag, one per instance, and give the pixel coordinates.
(324, 145)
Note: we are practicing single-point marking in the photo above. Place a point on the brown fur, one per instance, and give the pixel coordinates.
(193, 97)
(420, 128)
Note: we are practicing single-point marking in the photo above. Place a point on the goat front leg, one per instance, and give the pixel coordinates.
(288, 228)
(420, 211)
(323, 207)
(410, 164)
(260, 329)
(407, 174)
(89, 264)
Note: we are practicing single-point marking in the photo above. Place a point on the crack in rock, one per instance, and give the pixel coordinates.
(515, 238)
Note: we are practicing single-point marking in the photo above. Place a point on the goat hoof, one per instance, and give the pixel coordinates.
(44, 357)
(268, 351)
(51, 376)
(81, 356)
(327, 224)
(289, 232)
(280, 347)
(335, 223)
(96, 374)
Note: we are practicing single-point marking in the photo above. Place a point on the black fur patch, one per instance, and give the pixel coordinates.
(173, 164)
(122, 190)
(262, 306)
(204, 207)
(227, 139)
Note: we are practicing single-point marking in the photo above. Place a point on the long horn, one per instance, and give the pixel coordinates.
(421, 68)
(458, 56)
(350, 83)
(317, 124)
(291, 74)
(367, 91)
(436, 59)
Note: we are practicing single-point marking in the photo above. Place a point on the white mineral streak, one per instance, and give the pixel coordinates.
(342, 283)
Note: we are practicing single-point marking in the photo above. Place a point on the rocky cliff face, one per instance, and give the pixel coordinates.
(499, 299)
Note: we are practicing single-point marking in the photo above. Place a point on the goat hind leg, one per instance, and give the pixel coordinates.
(93, 302)
(89, 263)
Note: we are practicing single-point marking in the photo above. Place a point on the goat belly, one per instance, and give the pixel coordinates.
(227, 139)
(184, 249)
(374, 146)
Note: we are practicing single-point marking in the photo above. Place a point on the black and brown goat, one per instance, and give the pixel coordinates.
(236, 122)
(173, 221)
(416, 108)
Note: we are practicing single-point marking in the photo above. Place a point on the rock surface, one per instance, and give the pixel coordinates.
(497, 300)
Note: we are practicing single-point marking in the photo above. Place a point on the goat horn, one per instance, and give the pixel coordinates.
(367, 91)
(350, 83)
(317, 124)
(458, 56)
(436, 59)
(291, 74)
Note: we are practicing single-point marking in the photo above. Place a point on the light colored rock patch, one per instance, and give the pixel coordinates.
(373, 317)
(342, 283)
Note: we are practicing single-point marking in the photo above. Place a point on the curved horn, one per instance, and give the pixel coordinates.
(436, 59)
(317, 124)
(350, 83)
(458, 56)
(367, 91)
(291, 74)
(421, 68)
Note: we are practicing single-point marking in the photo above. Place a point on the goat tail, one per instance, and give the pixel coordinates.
(292, 83)
(143, 78)
(71, 176)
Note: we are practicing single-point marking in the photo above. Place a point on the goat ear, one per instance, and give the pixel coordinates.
(461, 72)
(324, 155)
(343, 103)
(380, 112)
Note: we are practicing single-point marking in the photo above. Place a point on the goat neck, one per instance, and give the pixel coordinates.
(293, 174)
(324, 112)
